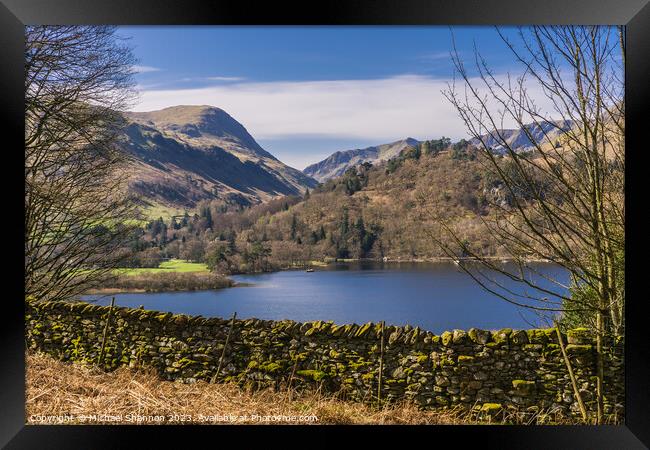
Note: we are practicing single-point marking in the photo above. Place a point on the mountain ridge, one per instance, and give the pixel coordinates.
(338, 162)
(518, 139)
(187, 153)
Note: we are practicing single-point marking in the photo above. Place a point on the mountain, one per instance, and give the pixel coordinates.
(336, 164)
(383, 210)
(519, 140)
(184, 154)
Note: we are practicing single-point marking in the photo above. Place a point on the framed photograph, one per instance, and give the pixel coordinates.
(380, 216)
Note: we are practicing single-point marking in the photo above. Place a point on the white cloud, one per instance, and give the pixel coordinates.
(225, 78)
(144, 69)
(381, 110)
(435, 56)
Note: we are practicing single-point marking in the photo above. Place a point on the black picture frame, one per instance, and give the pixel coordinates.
(635, 14)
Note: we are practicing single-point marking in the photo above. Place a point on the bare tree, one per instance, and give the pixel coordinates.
(562, 200)
(77, 211)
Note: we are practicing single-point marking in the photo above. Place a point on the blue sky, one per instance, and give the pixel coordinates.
(306, 92)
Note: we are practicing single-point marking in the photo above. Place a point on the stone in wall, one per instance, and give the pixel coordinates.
(519, 369)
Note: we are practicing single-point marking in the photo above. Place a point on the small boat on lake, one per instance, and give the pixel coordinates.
(309, 270)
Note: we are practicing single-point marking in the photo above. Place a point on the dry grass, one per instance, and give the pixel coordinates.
(58, 392)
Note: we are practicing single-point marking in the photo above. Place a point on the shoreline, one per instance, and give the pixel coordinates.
(313, 264)
(107, 291)
(101, 291)
(436, 259)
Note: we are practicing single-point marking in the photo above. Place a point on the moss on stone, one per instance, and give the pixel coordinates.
(578, 336)
(459, 337)
(298, 356)
(326, 327)
(478, 336)
(270, 367)
(446, 338)
(519, 337)
(519, 383)
(523, 387)
(180, 320)
(359, 363)
(501, 336)
(537, 336)
(446, 361)
(578, 349)
(551, 334)
(533, 347)
(163, 317)
(363, 329)
(491, 408)
(316, 375)
(415, 334)
(465, 359)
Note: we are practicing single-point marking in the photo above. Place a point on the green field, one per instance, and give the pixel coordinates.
(173, 265)
(155, 211)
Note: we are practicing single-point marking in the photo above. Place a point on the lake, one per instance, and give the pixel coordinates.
(433, 296)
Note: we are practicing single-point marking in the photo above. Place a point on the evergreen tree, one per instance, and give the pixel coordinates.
(361, 228)
(156, 227)
(208, 218)
(163, 232)
(231, 242)
(294, 225)
(345, 224)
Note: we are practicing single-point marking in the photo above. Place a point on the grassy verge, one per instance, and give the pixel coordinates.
(173, 265)
(54, 388)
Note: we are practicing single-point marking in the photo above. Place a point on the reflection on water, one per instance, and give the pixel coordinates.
(433, 296)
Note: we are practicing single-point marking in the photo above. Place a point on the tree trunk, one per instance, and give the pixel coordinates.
(600, 366)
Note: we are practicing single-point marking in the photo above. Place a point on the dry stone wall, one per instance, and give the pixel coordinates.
(485, 370)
